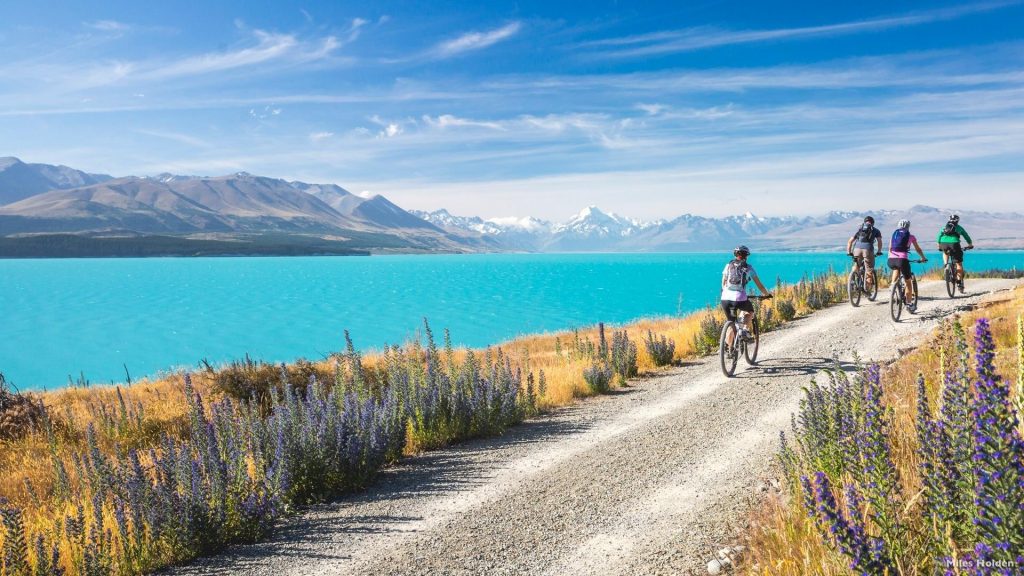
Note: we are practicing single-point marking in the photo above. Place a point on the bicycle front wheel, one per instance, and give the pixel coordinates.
(917, 295)
(896, 302)
(750, 349)
(853, 289)
(727, 353)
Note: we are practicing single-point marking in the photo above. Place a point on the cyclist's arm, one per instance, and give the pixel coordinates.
(849, 245)
(757, 281)
(879, 240)
(919, 251)
(965, 235)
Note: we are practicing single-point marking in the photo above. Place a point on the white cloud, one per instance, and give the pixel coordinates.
(699, 38)
(108, 26)
(320, 136)
(356, 27)
(447, 121)
(474, 41)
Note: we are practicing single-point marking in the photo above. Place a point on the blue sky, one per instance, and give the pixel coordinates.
(649, 109)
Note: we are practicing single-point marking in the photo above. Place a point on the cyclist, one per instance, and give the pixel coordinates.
(949, 245)
(865, 244)
(899, 258)
(735, 277)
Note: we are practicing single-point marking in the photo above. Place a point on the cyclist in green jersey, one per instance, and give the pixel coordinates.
(949, 245)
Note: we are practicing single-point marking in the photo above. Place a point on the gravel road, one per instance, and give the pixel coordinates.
(650, 479)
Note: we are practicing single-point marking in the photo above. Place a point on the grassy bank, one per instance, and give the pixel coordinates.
(125, 480)
(916, 468)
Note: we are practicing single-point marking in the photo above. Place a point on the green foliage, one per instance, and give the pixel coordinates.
(598, 377)
(786, 309)
(705, 341)
(623, 356)
(662, 351)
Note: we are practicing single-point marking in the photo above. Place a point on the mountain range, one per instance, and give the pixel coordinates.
(40, 201)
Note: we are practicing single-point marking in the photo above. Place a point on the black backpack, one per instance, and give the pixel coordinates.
(866, 234)
(736, 276)
(950, 229)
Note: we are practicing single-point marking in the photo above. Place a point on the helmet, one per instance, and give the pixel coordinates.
(954, 217)
(869, 220)
(741, 251)
(904, 224)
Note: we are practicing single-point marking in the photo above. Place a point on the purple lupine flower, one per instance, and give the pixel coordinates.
(867, 555)
(998, 462)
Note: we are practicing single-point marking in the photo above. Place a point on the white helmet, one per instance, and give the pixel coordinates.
(904, 224)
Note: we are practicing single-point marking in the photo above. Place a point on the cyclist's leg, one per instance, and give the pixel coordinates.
(894, 266)
(958, 259)
(730, 316)
(746, 308)
(868, 261)
(908, 278)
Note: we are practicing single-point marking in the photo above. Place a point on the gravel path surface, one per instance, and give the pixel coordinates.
(648, 480)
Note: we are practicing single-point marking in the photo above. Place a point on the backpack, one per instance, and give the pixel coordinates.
(950, 229)
(866, 233)
(736, 276)
(900, 240)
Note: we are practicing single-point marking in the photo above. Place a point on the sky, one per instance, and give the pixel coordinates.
(647, 109)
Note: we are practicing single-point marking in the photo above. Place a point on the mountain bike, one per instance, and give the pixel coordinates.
(730, 346)
(949, 273)
(857, 283)
(898, 298)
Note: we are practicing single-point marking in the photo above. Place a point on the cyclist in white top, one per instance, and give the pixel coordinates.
(735, 277)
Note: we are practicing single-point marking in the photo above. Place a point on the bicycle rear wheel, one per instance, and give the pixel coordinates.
(727, 353)
(872, 291)
(950, 281)
(750, 349)
(853, 288)
(896, 301)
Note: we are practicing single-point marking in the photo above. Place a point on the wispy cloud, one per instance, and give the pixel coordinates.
(472, 41)
(700, 38)
(108, 25)
(448, 121)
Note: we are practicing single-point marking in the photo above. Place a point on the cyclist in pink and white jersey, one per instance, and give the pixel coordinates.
(899, 258)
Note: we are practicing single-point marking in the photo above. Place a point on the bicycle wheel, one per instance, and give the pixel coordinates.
(913, 303)
(872, 291)
(950, 276)
(896, 300)
(853, 289)
(727, 352)
(750, 349)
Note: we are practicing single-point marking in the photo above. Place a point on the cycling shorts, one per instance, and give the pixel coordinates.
(954, 249)
(901, 264)
(729, 305)
(867, 254)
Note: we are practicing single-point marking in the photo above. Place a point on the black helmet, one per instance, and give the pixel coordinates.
(741, 250)
(869, 220)
(954, 217)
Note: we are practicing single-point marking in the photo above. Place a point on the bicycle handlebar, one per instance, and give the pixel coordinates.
(761, 297)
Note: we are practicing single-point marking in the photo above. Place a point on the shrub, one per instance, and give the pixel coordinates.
(247, 379)
(662, 351)
(705, 341)
(786, 309)
(598, 377)
(623, 356)
(19, 413)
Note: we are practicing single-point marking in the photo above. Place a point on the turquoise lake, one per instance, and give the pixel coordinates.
(96, 316)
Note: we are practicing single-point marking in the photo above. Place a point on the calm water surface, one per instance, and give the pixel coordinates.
(96, 316)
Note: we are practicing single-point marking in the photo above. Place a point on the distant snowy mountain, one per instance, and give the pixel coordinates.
(594, 230)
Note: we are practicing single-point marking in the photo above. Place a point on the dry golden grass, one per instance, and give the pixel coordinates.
(781, 538)
(26, 464)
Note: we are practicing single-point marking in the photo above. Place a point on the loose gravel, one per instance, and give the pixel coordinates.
(651, 479)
